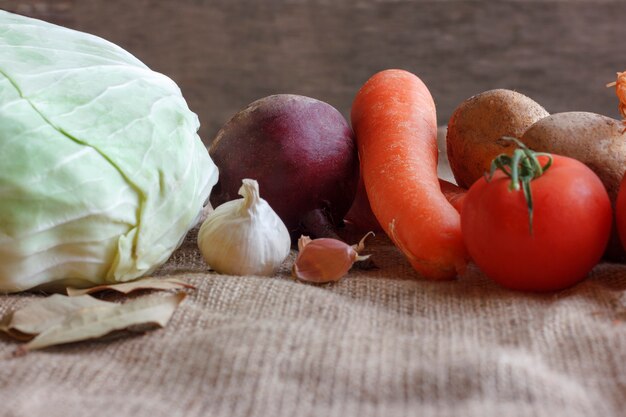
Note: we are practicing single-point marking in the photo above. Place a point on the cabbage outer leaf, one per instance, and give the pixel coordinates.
(102, 172)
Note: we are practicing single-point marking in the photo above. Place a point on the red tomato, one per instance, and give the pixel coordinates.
(572, 220)
(620, 212)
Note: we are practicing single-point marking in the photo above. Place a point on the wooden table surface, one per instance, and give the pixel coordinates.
(225, 54)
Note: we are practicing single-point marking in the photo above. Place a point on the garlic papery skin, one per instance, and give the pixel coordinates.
(244, 236)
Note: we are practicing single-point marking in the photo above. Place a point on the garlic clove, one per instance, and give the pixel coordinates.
(325, 259)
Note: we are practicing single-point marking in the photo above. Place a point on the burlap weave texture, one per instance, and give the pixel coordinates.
(378, 343)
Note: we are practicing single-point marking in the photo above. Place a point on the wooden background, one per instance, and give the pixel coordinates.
(227, 53)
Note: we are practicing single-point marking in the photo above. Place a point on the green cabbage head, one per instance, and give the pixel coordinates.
(102, 172)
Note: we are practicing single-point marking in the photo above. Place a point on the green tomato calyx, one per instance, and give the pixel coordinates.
(522, 167)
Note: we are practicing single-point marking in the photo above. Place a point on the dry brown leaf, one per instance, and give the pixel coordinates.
(61, 319)
(163, 284)
(44, 313)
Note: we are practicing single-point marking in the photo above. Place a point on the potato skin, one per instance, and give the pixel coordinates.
(595, 140)
(478, 123)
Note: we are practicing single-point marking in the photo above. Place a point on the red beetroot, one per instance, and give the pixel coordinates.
(302, 153)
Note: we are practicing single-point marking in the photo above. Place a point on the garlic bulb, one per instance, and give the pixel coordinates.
(244, 236)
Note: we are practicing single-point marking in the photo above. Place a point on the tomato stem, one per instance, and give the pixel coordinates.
(522, 167)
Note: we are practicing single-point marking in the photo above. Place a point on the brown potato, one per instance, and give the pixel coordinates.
(477, 124)
(595, 140)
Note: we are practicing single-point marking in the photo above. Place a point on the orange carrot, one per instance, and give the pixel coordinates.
(620, 90)
(360, 215)
(395, 123)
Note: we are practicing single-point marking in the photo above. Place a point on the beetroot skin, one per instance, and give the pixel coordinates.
(303, 154)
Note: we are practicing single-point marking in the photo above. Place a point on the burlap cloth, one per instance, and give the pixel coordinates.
(380, 342)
